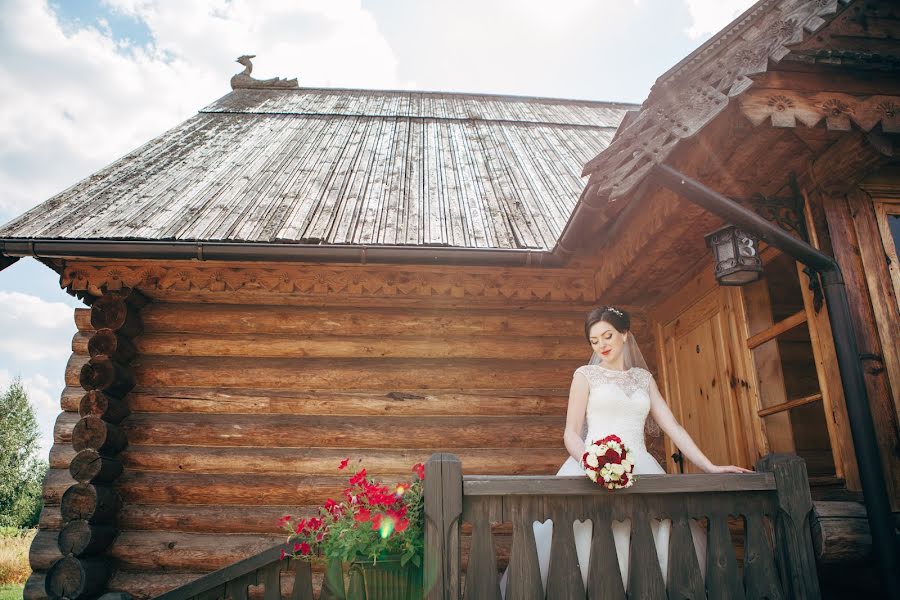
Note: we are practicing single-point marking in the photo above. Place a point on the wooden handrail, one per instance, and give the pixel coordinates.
(517, 485)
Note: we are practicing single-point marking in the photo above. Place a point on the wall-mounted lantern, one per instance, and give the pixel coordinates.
(736, 254)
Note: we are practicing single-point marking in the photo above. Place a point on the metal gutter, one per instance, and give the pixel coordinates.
(868, 456)
(250, 251)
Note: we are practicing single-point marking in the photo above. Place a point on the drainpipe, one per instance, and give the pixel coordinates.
(868, 457)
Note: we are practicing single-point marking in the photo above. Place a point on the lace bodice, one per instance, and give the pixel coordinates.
(618, 403)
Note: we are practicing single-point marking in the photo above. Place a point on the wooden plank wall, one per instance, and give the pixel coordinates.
(242, 413)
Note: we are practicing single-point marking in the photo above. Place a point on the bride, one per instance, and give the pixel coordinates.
(614, 395)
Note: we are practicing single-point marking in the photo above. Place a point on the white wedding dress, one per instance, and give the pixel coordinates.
(618, 403)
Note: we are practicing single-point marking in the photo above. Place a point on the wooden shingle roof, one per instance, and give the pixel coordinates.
(325, 166)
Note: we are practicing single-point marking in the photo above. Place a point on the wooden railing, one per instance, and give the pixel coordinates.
(774, 504)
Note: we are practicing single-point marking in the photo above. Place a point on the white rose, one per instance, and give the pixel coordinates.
(592, 460)
(617, 469)
(592, 475)
(627, 465)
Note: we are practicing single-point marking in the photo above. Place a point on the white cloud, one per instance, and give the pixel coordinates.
(22, 308)
(710, 16)
(73, 99)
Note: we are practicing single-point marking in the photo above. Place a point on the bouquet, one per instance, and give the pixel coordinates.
(607, 463)
(372, 520)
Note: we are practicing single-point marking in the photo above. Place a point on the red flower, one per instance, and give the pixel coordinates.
(282, 555)
(344, 464)
(419, 470)
(330, 505)
(304, 548)
(315, 523)
(376, 521)
(402, 525)
(401, 489)
(300, 525)
(283, 520)
(296, 547)
(358, 478)
(320, 536)
(611, 456)
(363, 515)
(623, 480)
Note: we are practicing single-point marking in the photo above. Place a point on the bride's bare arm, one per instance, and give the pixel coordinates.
(661, 412)
(578, 395)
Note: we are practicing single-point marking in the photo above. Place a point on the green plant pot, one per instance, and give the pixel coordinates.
(385, 579)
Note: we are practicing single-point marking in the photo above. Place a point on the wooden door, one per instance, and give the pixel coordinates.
(700, 383)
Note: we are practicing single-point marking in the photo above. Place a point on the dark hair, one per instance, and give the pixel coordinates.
(616, 317)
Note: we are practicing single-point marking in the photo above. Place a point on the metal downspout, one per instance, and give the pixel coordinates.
(868, 456)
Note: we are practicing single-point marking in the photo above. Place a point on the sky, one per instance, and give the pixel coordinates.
(83, 82)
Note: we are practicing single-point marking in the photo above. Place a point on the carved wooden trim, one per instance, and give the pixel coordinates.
(786, 108)
(532, 285)
(688, 98)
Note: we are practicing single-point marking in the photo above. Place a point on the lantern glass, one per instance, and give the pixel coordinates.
(736, 254)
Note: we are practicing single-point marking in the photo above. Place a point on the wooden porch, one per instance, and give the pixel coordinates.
(773, 507)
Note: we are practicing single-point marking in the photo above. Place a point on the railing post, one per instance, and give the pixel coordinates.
(793, 539)
(443, 508)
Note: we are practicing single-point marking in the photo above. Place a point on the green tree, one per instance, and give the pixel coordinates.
(21, 472)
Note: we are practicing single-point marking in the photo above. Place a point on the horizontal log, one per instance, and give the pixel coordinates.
(355, 320)
(141, 487)
(115, 312)
(106, 342)
(322, 461)
(347, 374)
(44, 550)
(104, 374)
(840, 533)
(80, 538)
(510, 401)
(95, 433)
(34, 587)
(77, 578)
(96, 403)
(56, 482)
(177, 551)
(334, 346)
(92, 465)
(341, 432)
(83, 319)
(62, 429)
(144, 586)
(95, 503)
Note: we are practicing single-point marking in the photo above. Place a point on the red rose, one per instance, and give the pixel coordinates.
(612, 456)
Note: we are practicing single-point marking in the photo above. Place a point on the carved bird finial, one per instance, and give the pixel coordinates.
(243, 80)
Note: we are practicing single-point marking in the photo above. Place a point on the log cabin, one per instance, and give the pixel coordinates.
(296, 275)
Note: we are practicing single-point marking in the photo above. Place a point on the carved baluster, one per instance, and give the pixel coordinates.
(481, 576)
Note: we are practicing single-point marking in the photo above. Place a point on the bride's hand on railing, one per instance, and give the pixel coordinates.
(727, 469)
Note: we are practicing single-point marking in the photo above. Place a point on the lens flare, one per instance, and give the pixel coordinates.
(387, 527)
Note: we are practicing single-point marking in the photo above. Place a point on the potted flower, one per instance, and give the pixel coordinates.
(377, 529)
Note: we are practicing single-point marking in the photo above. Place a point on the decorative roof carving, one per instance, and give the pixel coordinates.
(691, 94)
(243, 80)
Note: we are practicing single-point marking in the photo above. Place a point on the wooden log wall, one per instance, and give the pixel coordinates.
(242, 410)
(69, 560)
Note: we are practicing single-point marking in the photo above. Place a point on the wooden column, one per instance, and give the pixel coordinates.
(89, 508)
(443, 509)
(793, 540)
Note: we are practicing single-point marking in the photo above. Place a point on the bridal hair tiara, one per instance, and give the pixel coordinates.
(615, 310)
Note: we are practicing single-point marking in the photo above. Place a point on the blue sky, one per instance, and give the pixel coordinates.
(85, 81)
